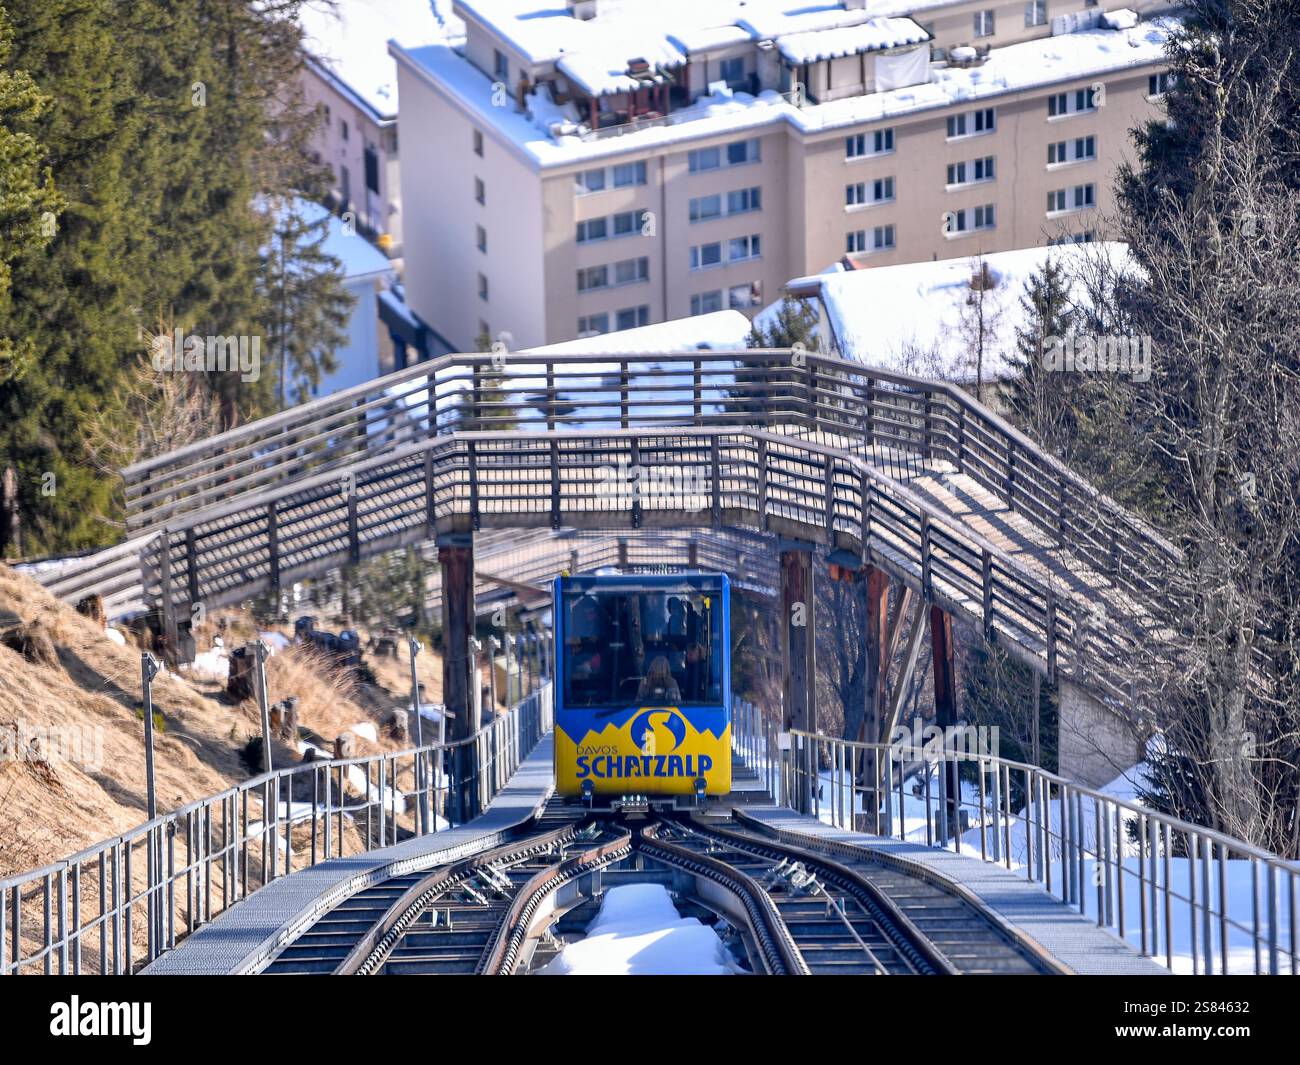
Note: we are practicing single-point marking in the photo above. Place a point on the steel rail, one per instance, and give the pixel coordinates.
(366, 958)
(901, 931)
(502, 956)
(780, 954)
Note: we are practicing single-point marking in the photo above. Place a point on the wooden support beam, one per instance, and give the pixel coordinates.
(945, 704)
(456, 557)
(798, 628)
(877, 645)
(798, 657)
(906, 670)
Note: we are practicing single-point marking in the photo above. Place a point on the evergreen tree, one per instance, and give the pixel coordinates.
(1041, 401)
(308, 306)
(71, 298)
(29, 203)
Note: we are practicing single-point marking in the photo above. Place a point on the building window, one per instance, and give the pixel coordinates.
(627, 174)
(593, 277)
(969, 172)
(1081, 149)
(1075, 199)
(740, 249)
(702, 159)
(629, 223)
(706, 208)
(482, 287)
(706, 302)
(589, 181)
(590, 325)
(984, 217)
(1159, 84)
(371, 160)
(743, 200)
(882, 238)
(732, 71)
(1061, 104)
(972, 123)
(865, 144)
(704, 256)
(500, 66)
(480, 191)
(857, 241)
(882, 190)
(478, 142)
(984, 23)
(740, 152)
(632, 317)
(343, 127)
(1036, 13)
(630, 271)
(592, 229)
(480, 238)
(737, 153)
(855, 195)
(743, 297)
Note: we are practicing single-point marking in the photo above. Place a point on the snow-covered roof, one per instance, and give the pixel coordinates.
(357, 255)
(600, 71)
(719, 331)
(349, 43)
(1016, 67)
(908, 318)
(694, 39)
(869, 36)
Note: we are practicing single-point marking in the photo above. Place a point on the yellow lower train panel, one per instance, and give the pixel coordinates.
(671, 755)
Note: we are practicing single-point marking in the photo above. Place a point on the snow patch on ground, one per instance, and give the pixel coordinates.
(639, 932)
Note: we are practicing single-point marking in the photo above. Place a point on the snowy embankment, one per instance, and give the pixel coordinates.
(1235, 882)
(639, 932)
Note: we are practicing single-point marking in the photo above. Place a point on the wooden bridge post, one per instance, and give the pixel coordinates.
(798, 657)
(945, 707)
(456, 557)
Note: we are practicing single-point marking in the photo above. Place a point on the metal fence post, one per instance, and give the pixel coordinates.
(422, 807)
(258, 648)
(149, 667)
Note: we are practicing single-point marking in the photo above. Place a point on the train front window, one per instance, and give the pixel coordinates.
(659, 647)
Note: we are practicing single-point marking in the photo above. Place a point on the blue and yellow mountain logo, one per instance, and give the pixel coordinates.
(655, 749)
(658, 731)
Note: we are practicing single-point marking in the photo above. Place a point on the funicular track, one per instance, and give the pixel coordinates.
(797, 909)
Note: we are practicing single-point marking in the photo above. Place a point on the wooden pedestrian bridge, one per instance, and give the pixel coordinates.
(724, 459)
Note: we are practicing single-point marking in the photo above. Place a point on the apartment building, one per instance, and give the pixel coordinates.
(575, 170)
(350, 79)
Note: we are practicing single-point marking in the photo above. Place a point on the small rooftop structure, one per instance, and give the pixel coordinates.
(908, 318)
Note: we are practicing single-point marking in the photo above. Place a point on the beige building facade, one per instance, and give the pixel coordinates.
(538, 235)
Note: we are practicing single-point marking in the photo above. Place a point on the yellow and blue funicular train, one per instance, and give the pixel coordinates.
(643, 684)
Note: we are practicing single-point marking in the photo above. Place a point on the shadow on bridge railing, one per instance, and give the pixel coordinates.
(114, 907)
(1191, 898)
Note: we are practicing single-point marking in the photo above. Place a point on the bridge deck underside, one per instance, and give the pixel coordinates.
(941, 532)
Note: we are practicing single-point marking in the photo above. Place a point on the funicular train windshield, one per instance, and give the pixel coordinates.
(629, 644)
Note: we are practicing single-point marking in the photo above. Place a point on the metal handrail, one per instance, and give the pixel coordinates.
(1158, 882)
(178, 871)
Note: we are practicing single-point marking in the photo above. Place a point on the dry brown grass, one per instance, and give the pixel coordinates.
(52, 805)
